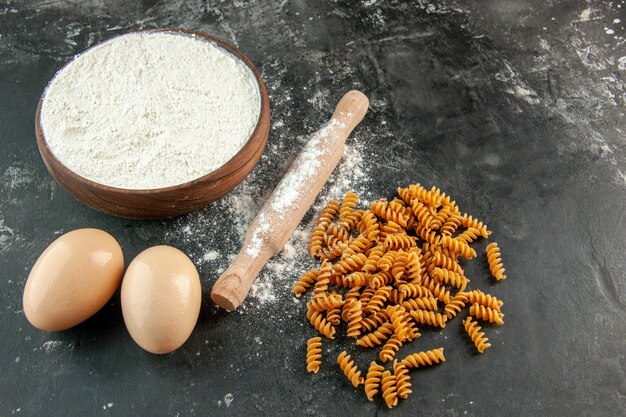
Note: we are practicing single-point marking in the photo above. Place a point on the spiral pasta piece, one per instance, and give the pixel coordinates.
(421, 213)
(405, 195)
(420, 303)
(399, 265)
(414, 267)
(451, 225)
(414, 291)
(328, 213)
(398, 321)
(371, 265)
(397, 204)
(325, 301)
(469, 221)
(388, 229)
(305, 282)
(333, 316)
(350, 264)
(445, 262)
(347, 207)
(399, 241)
(486, 313)
(317, 240)
(440, 217)
(313, 354)
(458, 246)
(394, 214)
(333, 251)
(377, 337)
(396, 297)
(432, 198)
(388, 389)
(372, 380)
(380, 279)
(473, 330)
(349, 369)
(323, 279)
(403, 384)
(378, 300)
(429, 317)
(429, 235)
(357, 279)
(427, 358)
(333, 248)
(487, 300)
(412, 332)
(335, 234)
(386, 261)
(371, 322)
(390, 348)
(495, 262)
(355, 314)
(352, 296)
(367, 295)
(358, 245)
(456, 304)
(470, 235)
(437, 290)
(320, 324)
(371, 226)
(450, 277)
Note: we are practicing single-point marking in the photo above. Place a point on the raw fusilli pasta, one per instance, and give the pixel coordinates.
(486, 313)
(473, 330)
(349, 369)
(388, 389)
(372, 380)
(487, 300)
(495, 262)
(313, 354)
(394, 267)
(427, 358)
(403, 384)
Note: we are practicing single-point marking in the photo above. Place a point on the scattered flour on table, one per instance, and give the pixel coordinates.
(6, 235)
(56, 346)
(150, 110)
(211, 255)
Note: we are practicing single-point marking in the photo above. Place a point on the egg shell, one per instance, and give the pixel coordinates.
(161, 296)
(72, 279)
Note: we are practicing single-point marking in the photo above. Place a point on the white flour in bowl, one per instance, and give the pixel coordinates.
(150, 110)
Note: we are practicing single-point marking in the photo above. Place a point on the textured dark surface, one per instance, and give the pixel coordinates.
(516, 108)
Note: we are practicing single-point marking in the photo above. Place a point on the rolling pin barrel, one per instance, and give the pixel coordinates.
(288, 203)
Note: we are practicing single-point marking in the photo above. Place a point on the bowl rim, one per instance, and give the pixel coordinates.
(223, 171)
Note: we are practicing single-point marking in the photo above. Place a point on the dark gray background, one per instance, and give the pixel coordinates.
(515, 107)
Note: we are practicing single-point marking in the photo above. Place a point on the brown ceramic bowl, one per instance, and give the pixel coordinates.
(177, 199)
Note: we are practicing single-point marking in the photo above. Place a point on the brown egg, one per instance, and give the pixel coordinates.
(161, 297)
(72, 279)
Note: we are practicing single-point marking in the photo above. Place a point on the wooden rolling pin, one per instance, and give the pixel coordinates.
(290, 200)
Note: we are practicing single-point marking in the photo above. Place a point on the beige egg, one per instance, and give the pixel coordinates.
(72, 279)
(161, 296)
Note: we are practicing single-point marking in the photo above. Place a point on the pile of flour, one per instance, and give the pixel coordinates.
(150, 110)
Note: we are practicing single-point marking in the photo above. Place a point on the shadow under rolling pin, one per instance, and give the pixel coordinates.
(290, 200)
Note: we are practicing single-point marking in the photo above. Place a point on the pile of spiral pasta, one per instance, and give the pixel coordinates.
(395, 267)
